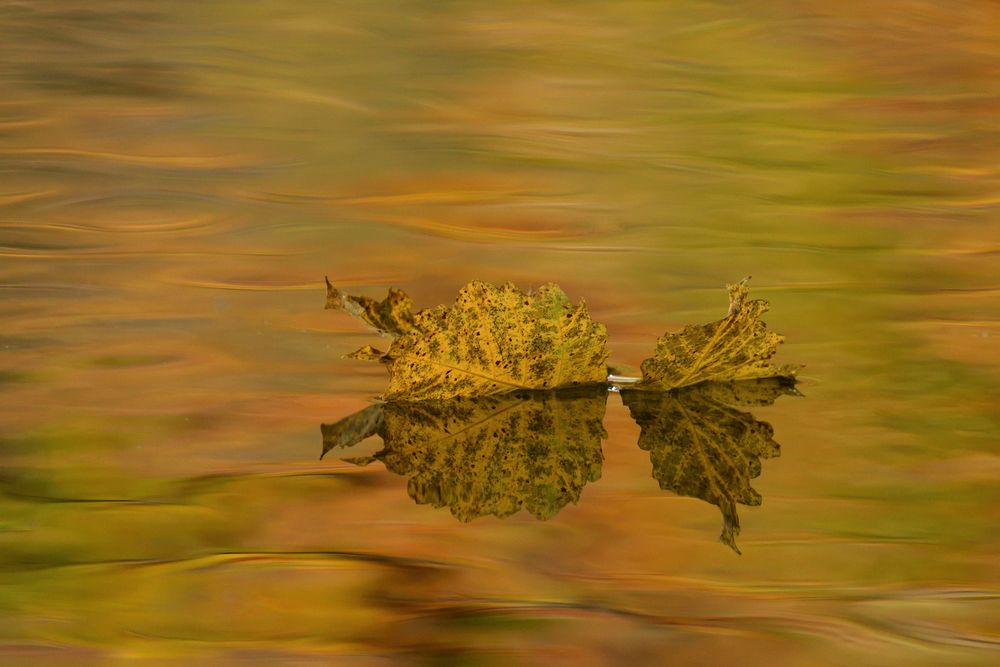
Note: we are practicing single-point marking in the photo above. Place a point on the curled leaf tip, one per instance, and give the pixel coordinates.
(391, 316)
(367, 353)
(334, 299)
(737, 295)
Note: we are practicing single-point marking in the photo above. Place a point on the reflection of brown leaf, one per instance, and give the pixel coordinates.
(489, 455)
(746, 393)
(352, 429)
(702, 447)
(737, 347)
(393, 315)
(495, 340)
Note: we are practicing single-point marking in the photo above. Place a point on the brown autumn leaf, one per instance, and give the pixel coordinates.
(702, 446)
(737, 347)
(486, 455)
(495, 340)
(392, 316)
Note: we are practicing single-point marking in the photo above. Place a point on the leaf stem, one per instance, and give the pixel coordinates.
(623, 379)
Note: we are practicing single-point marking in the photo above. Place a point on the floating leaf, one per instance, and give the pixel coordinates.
(701, 446)
(495, 340)
(489, 455)
(737, 347)
(393, 315)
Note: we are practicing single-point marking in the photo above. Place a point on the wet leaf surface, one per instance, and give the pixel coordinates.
(701, 445)
(491, 455)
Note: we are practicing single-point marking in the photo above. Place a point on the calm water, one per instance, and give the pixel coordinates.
(177, 178)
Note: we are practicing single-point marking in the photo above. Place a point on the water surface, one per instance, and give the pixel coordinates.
(176, 180)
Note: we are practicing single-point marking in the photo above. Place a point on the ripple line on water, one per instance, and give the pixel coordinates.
(206, 561)
(186, 162)
(71, 255)
(940, 635)
(13, 198)
(184, 224)
(248, 286)
(843, 631)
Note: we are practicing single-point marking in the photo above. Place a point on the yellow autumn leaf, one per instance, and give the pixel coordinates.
(702, 446)
(499, 339)
(393, 315)
(495, 340)
(737, 347)
(486, 455)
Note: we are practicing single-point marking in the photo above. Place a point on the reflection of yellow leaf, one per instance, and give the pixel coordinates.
(703, 447)
(393, 315)
(737, 347)
(490, 455)
(495, 340)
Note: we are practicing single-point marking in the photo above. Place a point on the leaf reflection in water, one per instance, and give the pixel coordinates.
(494, 455)
(702, 445)
(489, 455)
